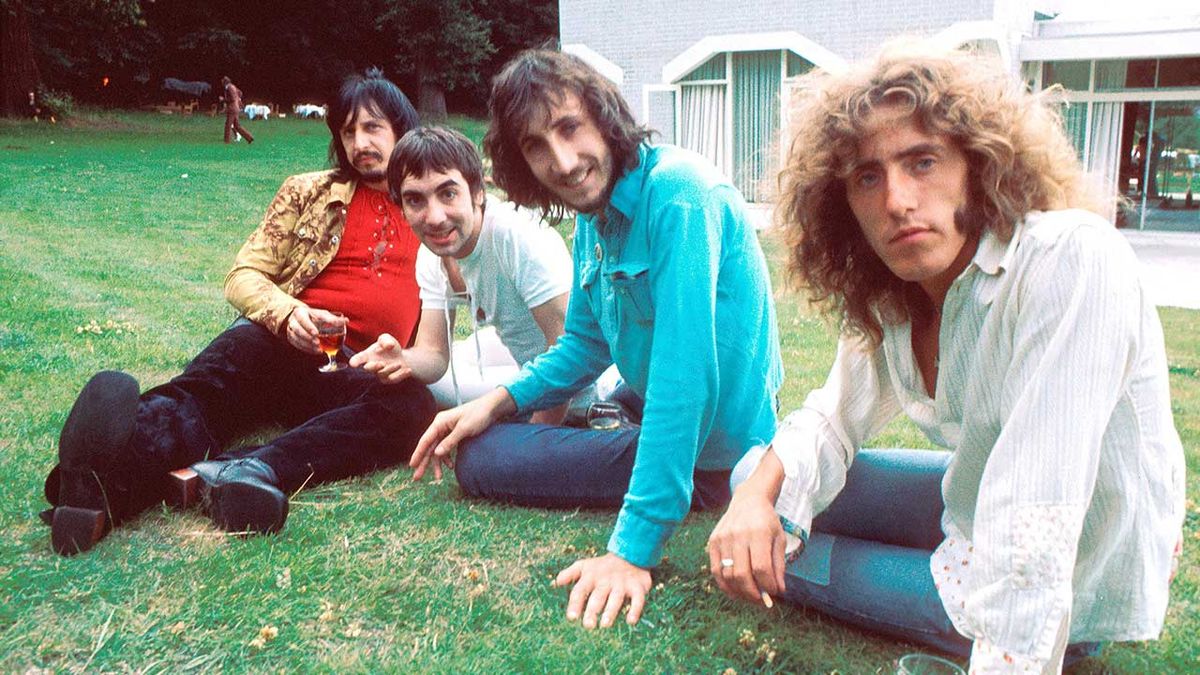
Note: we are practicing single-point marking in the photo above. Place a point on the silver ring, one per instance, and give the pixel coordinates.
(726, 562)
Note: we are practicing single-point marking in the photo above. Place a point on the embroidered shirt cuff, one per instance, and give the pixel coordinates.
(796, 538)
(988, 658)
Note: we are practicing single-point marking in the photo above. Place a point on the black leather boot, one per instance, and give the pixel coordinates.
(91, 448)
(242, 495)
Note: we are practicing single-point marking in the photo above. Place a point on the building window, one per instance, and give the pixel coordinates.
(1072, 75)
(1179, 72)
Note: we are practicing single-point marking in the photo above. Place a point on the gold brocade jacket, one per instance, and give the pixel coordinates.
(298, 237)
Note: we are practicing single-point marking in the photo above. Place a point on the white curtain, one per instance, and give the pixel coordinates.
(756, 84)
(703, 127)
(1074, 116)
(1104, 148)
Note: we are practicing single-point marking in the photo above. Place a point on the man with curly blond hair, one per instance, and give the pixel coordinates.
(936, 210)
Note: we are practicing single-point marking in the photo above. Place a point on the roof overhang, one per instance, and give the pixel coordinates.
(1133, 39)
(692, 57)
(593, 58)
(980, 32)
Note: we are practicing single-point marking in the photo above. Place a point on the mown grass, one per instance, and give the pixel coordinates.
(115, 235)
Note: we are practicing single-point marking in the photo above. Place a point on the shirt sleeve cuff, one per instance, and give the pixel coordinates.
(795, 503)
(522, 391)
(989, 658)
(795, 510)
(637, 540)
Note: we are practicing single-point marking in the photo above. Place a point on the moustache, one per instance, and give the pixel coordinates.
(374, 155)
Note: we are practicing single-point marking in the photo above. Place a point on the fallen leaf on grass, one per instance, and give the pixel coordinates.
(265, 635)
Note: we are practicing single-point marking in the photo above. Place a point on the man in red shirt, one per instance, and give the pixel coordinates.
(331, 241)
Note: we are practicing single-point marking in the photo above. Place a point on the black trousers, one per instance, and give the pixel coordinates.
(340, 424)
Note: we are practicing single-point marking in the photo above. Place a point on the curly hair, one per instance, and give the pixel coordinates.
(1018, 159)
(530, 84)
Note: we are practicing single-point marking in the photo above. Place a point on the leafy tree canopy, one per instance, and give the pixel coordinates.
(117, 52)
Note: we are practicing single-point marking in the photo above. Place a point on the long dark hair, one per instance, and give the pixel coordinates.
(374, 92)
(533, 81)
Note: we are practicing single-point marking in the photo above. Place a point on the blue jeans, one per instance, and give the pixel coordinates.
(867, 560)
(563, 467)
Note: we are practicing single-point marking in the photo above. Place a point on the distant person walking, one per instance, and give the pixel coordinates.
(233, 108)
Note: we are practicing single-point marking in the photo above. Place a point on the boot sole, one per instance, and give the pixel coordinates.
(75, 530)
(248, 508)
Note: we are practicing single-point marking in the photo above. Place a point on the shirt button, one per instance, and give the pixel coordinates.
(335, 239)
(303, 232)
(599, 253)
(312, 263)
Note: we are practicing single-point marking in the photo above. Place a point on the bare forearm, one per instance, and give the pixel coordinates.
(553, 415)
(427, 366)
(767, 478)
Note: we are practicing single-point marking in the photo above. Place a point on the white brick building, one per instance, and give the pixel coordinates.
(713, 76)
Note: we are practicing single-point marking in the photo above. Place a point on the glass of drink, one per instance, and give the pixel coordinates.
(926, 664)
(331, 335)
(604, 416)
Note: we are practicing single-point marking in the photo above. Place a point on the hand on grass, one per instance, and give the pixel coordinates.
(451, 427)
(601, 587)
(385, 358)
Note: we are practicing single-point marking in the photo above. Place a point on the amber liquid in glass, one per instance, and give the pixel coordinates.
(331, 343)
(330, 337)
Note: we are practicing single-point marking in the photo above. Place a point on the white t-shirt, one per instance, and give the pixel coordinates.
(518, 263)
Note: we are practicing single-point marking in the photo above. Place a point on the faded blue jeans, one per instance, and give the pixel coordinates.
(563, 467)
(867, 560)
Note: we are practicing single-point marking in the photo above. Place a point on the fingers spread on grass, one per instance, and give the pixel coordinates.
(597, 599)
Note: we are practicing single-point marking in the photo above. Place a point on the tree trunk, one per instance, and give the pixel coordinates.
(431, 102)
(18, 71)
(431, 96)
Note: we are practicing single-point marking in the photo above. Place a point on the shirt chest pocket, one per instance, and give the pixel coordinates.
(307, 250)
(629, 290)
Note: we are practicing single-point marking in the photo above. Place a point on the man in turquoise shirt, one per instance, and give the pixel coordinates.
(670, 284)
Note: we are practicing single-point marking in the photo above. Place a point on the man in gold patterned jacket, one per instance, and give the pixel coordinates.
(332, 250)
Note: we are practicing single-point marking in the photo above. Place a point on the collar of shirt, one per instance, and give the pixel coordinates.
(994, 254)
(340, 192)
(992, 257)
(626, 192)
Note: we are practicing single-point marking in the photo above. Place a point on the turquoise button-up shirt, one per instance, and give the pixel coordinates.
(671, 286)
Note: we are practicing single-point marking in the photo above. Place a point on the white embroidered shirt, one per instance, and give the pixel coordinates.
(1064, 497)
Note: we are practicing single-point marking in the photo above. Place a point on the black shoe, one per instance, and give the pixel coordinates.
(243, 495)
(93, 441)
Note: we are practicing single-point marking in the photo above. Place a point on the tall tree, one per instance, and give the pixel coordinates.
(18, 70)
(64, 43)
(443, 41)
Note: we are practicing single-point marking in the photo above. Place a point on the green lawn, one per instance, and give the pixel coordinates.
(115, 236)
